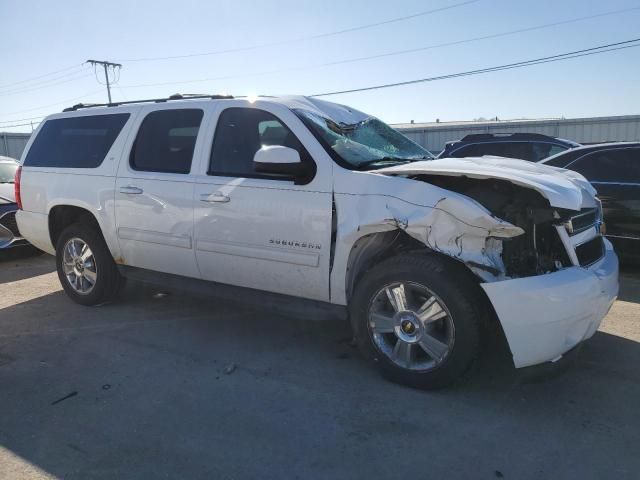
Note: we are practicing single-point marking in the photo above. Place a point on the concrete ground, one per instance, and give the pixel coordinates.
(183, 386)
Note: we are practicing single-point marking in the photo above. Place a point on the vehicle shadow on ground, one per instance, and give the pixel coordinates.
(176, 385)
(22, 263)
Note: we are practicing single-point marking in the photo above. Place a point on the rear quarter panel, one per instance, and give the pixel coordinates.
(43, 188)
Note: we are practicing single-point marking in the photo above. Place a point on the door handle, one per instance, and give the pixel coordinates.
(130, 190)
(215, 197)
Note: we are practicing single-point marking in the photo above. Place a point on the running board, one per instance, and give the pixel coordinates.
(286, 304)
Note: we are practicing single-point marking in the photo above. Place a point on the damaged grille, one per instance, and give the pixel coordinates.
(587, 218)
(8, 221)
(587, 251)
(590, 252)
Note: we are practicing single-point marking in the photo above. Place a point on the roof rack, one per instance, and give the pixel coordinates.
(176, 96)
(523, 136)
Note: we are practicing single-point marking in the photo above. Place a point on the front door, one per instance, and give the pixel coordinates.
(262, 231)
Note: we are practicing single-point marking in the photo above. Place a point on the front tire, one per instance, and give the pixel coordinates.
(86, 269)
(417, 319)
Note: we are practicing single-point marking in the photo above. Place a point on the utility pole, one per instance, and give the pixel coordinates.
(106, 66)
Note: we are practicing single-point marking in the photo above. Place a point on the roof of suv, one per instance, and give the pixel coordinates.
(337, 112)
(504, 138)
(510, 137)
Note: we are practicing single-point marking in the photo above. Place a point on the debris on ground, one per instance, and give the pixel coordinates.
(72, 394)
(229, 369)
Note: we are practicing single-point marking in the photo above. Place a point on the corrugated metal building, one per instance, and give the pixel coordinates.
(434, 135)
(12, 144)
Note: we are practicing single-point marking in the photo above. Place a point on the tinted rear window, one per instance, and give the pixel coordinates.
(166, 141)
(617, 166)
(79, 142)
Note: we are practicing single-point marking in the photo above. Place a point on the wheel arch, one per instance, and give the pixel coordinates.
(62, 215)
(373, 248)
(369, 250)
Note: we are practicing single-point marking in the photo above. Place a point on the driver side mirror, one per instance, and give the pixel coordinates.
(279, 160)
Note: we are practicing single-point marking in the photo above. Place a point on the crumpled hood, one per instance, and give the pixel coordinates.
(7, 193)
(563, 188)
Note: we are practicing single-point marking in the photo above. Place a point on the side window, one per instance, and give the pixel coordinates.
(468, 151)
(240, 133)
(75, 142)
(166, 141)
(620, 166)
(565, 159)
(554, 150)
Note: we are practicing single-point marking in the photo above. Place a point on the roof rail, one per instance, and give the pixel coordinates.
(523, 136)
(176, 96)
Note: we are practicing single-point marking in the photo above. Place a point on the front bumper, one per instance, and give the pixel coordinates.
(545, 316)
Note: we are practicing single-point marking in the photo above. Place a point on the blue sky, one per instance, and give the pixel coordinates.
(45, 36)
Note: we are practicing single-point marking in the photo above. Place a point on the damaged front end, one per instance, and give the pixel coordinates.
(550, 218)
(547, 271)
(539, 248)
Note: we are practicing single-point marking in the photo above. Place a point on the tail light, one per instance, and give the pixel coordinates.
(16, 186)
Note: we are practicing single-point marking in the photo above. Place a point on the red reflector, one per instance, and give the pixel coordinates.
(16, 186)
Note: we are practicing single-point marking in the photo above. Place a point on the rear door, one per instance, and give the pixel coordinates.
(154, 191)
(615, 174)
(256, 230)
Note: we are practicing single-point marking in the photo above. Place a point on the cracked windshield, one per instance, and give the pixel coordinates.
(365, 145)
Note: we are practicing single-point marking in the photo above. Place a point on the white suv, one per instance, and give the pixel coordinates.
(319, 201)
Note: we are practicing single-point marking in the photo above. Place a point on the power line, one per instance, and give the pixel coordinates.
(22, 120)
(41, 82)
(554, 58)
(40, 76)
(484, 37)
(27, 90)
(390, 54)
(311, 37)
(31, 124)
(61, 102)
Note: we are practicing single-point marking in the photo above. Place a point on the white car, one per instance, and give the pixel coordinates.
(316, 200)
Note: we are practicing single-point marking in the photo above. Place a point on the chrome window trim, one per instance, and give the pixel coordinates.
(628, 184)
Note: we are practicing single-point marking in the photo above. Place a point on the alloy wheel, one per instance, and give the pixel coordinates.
(411, 326)
(79, 266)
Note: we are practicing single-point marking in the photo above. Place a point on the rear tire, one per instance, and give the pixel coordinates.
(417, 319)
(86, 269)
